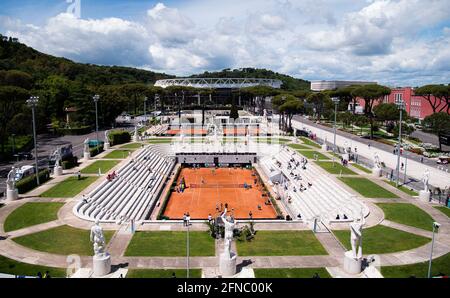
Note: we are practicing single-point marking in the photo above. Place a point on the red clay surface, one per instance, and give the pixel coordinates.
(174, 132)
(221, 186)
(240, 131)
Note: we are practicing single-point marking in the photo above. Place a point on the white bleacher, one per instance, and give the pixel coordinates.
(325, 199)
(133, 193)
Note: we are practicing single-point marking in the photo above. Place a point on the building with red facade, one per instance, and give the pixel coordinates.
(416, 106)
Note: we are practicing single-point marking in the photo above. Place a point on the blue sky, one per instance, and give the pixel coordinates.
(394, 42)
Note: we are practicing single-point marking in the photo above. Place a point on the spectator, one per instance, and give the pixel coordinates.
(47, 274)
(39, 274)
(184, 219)
(188, 219)
(79, 175)
(209, 218)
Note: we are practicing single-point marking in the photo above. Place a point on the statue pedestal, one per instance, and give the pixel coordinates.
(101, 264)
(424, 196)
(346, 157)
(87, 155)
(57, 171)
(12, 195)
(376, 172)
(324, 147)
(106, 146)
(352, 265)
(227, 264)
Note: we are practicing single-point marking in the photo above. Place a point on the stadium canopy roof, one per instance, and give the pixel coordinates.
(219, 83)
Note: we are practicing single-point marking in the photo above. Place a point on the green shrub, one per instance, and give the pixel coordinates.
(29, 183)
(96, 150)
(70, 163)
(117, 137)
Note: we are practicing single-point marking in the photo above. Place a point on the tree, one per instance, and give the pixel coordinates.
(438, 124)
(370, 94)
(11, 98)
(291, 107)
(361, 121)
(436, 95)
(318, 100)
(346, 97)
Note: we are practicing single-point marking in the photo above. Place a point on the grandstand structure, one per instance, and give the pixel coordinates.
(219, 83)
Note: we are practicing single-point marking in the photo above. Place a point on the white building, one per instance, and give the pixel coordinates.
(332, 85)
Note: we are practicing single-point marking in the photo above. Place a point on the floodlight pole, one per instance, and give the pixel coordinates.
(145, 109)
(400, 104)
(336, 103)
(32, 102)
(435, 228)
(406, 164)
(96, 98)
(187, 251)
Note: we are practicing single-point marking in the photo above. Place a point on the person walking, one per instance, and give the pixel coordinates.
(188, 219)
(184, 219)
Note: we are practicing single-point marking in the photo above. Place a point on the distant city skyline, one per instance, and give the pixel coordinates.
(396, 43)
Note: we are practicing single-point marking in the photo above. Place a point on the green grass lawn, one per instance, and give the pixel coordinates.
(403, 188)
(407, 214)
(118, 154)
(271, 140)
(419, 270)
(291, 272)
(132, 146)
(444, 210)
(281, 243)
(13, 267)
(364, 169)
(163, 273)
(170, 244)
(310, 142)
(103, 165)
(160, 141)
(299, 147)
(69, 188)
(63, 240)
(30, 214)
(335, 168)
(310, 154)
(381, 239)
(367, 188)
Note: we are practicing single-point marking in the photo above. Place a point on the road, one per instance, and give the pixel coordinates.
(416, 169)
(47, 144)
(429, 138)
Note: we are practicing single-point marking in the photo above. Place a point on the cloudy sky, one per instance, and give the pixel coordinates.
(394, 42)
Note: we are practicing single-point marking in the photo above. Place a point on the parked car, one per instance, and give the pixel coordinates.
(23, 172)
(25, 155)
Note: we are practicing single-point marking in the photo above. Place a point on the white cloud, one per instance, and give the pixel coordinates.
(382, 40)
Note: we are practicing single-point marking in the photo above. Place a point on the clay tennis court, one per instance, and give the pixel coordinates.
(220, 186)
(197, 132)
(240, 131)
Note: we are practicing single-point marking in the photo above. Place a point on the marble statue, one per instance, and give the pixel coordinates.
(376, 160)
(11, 179)
(229, 231)
(86, 145)
(57, 155)
(98, 239)
(107, 136)
(356, 236)
(425, 180)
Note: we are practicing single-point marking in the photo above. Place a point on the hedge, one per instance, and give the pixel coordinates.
(96, 150)
(29, 183)
(118, 137)
(71, 163)
(75, 131)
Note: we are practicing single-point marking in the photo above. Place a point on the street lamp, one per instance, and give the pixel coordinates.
(336, 103)
(401, 105)
(32, 103)
(96, 99)
(187, 251)
(145, 109)
(436, 226)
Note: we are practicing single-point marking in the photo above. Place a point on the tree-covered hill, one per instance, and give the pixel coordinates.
(17, 56)
(289, 83)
